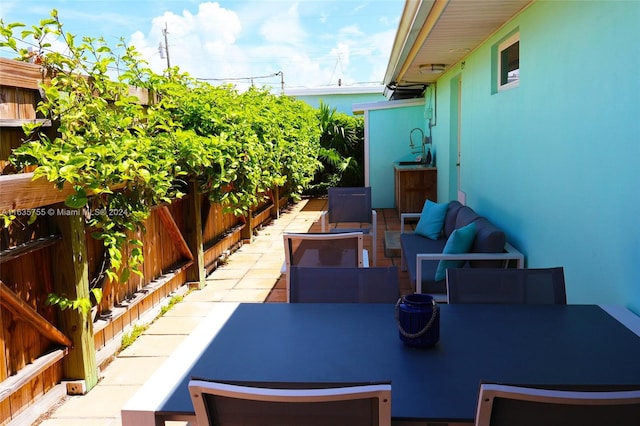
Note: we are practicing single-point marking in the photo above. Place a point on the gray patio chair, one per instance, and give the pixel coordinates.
(344, 285)
(502, 405)
(489, 285)
(351, 206)
(344, 250)
(266, 404)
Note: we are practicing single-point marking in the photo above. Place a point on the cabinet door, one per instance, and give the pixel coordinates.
(414, 187)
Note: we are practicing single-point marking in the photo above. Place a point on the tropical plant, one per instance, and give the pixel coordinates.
(342, 150)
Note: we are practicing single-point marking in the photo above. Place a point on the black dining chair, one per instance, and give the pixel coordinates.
(351, 206)
(496, 285)
(325, 250)
(505, 405)
(300, 404)
(344, 285)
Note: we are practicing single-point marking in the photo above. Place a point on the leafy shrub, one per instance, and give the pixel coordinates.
(122, 156)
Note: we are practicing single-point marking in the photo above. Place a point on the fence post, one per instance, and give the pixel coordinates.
(196, 273)
(275, 212)
(246, 233)
(71, 278)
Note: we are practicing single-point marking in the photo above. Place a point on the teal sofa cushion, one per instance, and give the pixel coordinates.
(460, 241)
(431, 219)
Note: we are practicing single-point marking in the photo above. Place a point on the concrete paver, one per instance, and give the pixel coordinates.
(214, 291)
(188, 308)
(169, 324)
(259, 282)
(246, 295)
(131, 370)
(103, 401)
(227, 273)
(152, 345)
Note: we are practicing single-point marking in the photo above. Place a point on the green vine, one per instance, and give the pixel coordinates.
(123, 157)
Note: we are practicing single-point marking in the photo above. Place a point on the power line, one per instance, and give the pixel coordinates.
(238, 78)
(249, 79)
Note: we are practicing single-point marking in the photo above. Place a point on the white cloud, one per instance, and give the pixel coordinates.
(198, 43)
(313, 42)
(7, 8)
(261, 38)
(219, 43)
(359, 8)
(343, 51)
(381, 45)
(351, 31)
(211, 25)
(284, 28)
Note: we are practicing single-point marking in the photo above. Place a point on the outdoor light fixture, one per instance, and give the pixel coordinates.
(431, 68)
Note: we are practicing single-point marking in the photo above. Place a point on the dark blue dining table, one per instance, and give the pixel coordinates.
(535, 345)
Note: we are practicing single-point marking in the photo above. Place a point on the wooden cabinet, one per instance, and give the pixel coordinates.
(414, 185)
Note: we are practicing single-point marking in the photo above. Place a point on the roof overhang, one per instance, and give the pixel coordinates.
(336, 90)
(359, 109)
(433, 35)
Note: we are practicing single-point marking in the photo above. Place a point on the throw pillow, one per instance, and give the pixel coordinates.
(460, 241)
(431, 219)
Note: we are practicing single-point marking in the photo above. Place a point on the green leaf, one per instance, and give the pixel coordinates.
(124, 275)
(83, 304)
(97, 293)
(7, 219)
(76, 201)
(32, 217)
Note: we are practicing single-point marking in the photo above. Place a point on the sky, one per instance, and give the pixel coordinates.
(312, 43)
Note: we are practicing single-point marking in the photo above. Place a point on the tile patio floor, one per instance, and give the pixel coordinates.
(252, 274)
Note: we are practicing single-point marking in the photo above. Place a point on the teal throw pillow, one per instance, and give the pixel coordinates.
(431, 219)
(459, 242)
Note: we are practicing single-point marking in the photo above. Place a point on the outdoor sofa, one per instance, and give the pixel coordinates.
(426, 257)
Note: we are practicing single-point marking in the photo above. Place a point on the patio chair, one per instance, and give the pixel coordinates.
(344, 250)
(343, 285)
(266, 404)
(501, 405)
(489, 285)
(351, 206)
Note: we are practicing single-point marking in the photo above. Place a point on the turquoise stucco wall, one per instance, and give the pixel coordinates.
(388, 142)
(555, 161)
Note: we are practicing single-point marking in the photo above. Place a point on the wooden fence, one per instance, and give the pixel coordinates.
(42, 345)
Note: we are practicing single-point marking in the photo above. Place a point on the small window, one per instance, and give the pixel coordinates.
(509, 62)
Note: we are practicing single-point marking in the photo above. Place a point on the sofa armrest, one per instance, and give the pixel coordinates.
(404, 216)
(324, 219)
(517, 256)
(510, 254)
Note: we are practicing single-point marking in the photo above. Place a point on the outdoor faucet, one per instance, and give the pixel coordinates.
(423, 159)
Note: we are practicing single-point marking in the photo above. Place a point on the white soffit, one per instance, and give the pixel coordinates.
(446, 34)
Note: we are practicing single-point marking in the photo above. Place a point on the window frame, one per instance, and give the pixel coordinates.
(504, 45)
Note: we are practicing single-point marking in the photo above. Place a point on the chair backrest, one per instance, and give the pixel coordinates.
(350, 205)
(266, 404)
(325, 249)
(502, 405)
(344, 285)
(489, 285)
